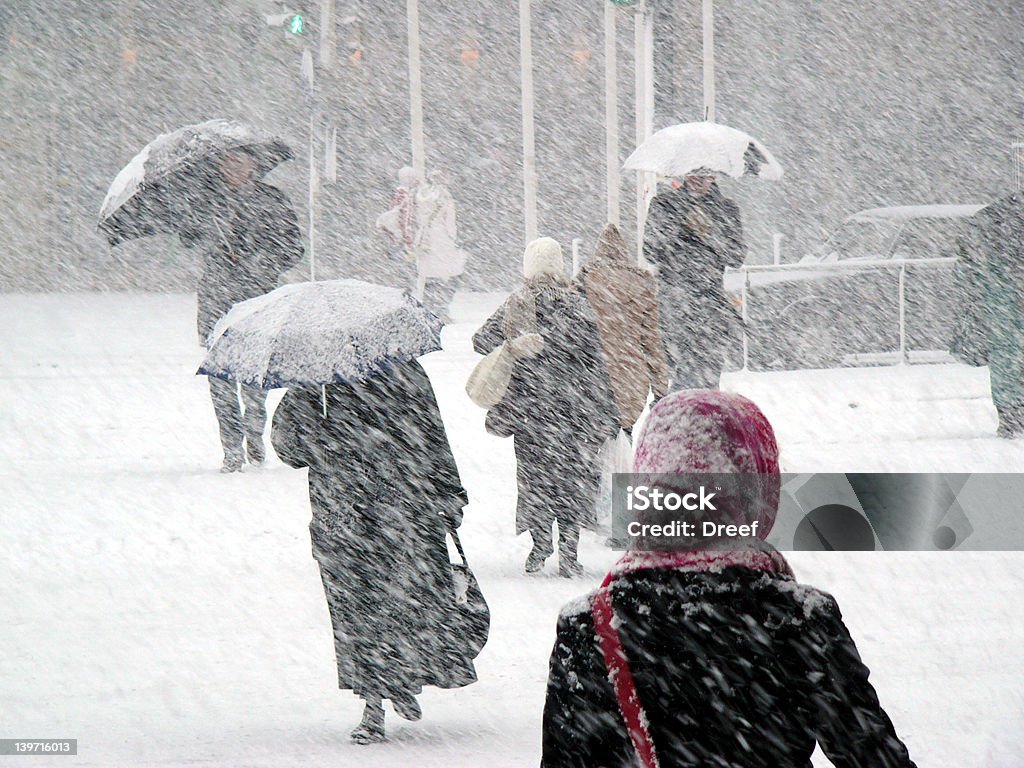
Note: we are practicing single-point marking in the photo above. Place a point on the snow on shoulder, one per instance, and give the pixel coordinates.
(578, 606)
(812, 599)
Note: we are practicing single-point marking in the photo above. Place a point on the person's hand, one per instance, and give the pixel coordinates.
(699, 222)
(526, 346)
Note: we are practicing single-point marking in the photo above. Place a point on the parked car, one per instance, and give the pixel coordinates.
(841, 304)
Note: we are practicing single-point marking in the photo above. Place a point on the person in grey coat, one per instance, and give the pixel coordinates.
(383, 486)
(559, 406)
(693, 232)
(250, 235)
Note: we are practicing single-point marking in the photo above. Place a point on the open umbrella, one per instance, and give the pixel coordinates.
(152, 194)
(307, 334)
(681, 149)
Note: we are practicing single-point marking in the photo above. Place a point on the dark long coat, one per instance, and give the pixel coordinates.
(249, 237)
(559, 405)
(990, 301)
(382, 479)
(692, 240)
(733, 668)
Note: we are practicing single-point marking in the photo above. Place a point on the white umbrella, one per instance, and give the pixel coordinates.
(681, 149)
(306, 334)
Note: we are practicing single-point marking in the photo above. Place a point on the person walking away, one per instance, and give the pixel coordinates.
(989, 282)
(559, 406)
(383, 487)
(399, 221)
(693, 232)
(624, 298)
(701, 652)
(438, 257)
(250, 235)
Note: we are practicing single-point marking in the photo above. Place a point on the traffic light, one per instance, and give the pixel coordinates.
(296, 24)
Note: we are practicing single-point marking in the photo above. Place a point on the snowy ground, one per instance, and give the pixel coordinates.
(164, 614)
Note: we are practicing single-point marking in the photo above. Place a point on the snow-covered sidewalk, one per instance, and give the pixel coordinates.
(165, 614)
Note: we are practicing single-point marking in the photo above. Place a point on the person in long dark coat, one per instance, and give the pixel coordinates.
(250, 235)
(990, 302)
(559, 405)
(692, 233)
(383, 486)
(720, 657)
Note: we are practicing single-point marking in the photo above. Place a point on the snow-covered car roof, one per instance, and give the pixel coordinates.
(902, 212)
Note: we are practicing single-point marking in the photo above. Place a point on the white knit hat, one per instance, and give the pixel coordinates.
(543, 256)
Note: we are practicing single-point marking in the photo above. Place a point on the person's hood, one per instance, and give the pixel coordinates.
(709, 431)
(542, 257)
(612, 248)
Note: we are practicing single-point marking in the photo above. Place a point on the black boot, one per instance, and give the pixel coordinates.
(542, 548)
(371, 729)
(568, 542)
(406, 706)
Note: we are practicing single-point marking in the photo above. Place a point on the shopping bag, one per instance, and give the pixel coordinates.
(615, 457)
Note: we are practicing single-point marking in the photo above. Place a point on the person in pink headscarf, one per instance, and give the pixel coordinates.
(706, 651)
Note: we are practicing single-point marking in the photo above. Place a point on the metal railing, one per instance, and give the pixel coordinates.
(839, 267)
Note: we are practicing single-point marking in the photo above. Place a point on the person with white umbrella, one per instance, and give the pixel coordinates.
(361, 415)
(692, 233)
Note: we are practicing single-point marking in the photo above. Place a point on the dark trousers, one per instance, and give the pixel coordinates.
(568, 541)
(235, 422)
(437, 296)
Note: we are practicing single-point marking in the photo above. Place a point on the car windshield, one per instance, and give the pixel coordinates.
(860, 240)
(929, 238)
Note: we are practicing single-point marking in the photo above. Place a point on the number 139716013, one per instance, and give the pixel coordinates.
(38, 746)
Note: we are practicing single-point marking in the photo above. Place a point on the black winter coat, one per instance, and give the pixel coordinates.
(382, 482)
(737, 669)
(559, 405)
(249, 237)
(690, 256)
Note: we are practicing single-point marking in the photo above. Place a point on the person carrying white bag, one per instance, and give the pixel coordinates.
(556, 402)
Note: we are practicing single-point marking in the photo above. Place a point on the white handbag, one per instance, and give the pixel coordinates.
(489, 381)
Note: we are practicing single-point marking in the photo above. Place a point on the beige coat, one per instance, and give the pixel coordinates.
(625, 299)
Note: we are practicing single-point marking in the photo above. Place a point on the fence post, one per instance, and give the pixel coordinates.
(903, 314)
(744, 297)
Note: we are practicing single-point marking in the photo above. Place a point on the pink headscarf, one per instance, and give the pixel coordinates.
(703, 430)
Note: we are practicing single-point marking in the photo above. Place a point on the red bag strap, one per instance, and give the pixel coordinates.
(621, 677)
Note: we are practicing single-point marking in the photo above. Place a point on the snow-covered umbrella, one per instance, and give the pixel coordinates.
(153, 192)
(681, 149)
(308, 334)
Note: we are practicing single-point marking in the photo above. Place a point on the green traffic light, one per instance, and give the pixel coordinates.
(296, 24)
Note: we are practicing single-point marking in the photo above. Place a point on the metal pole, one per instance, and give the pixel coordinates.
(745, 298)
(640, 71)
(309, 87)
(709, 60)
(611, 113)
(327, 43)
(419, 155)
(777, 247)
(650, 178)
(529, 144)
(903, 315)
(312, 197)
